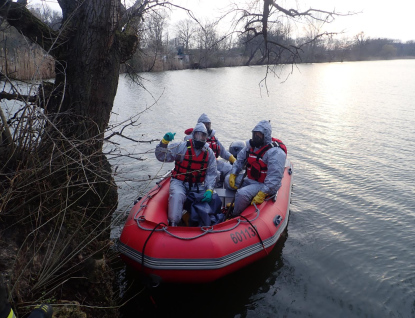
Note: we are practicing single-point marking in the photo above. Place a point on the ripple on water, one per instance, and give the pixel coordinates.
(349, 132)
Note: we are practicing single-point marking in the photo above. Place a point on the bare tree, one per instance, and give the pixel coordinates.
(361, 41)
(154, 31)
(51, 17)
(185, 31)
(207, 43)
(255, 46)
(262, 16)
(314, 49)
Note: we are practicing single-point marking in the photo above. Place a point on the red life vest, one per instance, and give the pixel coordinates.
(213, 144)
(212, 141)
(280, 144)
(192, 168)
(256, 168)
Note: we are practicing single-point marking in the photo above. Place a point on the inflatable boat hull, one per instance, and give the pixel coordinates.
(200, 254)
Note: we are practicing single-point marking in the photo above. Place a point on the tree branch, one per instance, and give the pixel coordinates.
(18, 16)
(294, 13)
(25, 98)
(129, 138)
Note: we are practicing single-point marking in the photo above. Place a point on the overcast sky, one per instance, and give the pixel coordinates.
(391, 19)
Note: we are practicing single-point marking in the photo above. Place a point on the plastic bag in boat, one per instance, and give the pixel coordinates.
(204, 213)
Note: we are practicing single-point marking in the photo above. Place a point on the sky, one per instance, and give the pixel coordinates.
(392, 20)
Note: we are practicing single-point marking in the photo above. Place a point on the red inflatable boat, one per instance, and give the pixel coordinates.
(201, 254)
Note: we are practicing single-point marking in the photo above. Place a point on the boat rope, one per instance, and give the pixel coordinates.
(256, 231)
(272, 197)
(147, 198)
(148, 237)
(205, 229)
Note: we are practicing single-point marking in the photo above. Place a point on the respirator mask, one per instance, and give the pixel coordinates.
(208, 128)
(257, 140)
(199, 139)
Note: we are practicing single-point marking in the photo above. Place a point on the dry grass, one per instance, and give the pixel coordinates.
(56, 206)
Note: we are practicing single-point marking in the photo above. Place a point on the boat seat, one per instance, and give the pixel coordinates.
(225, 195)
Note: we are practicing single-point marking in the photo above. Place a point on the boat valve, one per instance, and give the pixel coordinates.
(277, 220)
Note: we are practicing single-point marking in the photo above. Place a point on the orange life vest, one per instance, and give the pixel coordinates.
(192, 168)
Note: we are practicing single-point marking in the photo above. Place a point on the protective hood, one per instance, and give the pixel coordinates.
(203, 119)
(199, 127)
(236, 147)
(264, 127)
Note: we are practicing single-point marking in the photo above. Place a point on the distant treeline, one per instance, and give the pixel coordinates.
(176, 58)
(194, 46)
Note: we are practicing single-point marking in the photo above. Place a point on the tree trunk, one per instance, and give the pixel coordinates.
(60, 192)
(87, 70)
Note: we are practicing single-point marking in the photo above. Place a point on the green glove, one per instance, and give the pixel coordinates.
(167, 138)
(208, 196)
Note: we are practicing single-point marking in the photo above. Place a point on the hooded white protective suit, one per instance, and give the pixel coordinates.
(175, 151)
(274, 158)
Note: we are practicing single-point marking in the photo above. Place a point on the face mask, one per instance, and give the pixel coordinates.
(199, 135)
(198, 144)
(208, 127)
(256, 142)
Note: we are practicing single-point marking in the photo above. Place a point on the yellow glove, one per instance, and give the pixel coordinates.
(232, 159)
(232, 178)
(259, 198)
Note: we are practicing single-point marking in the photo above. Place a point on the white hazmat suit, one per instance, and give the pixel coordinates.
(175, 151)
(274, 158)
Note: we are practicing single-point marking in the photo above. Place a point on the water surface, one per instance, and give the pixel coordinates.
(349, 130)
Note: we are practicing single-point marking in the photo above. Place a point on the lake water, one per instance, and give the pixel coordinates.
(350, 133)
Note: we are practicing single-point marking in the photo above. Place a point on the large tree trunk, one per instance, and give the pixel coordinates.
(89, 66)
(59, 191)
(87, 71)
